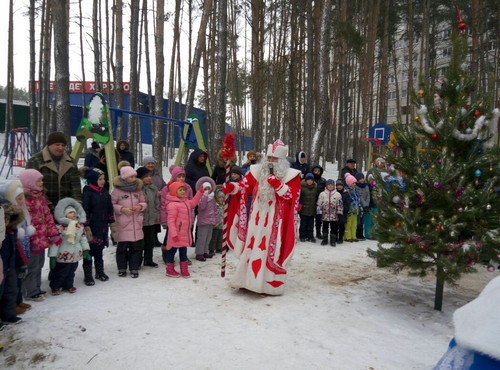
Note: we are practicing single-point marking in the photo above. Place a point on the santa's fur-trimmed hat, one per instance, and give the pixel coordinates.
(277, 149)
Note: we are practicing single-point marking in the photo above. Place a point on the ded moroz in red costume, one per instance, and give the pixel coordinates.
(264, 242)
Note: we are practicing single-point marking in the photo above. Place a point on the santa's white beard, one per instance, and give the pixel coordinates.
(280, 168)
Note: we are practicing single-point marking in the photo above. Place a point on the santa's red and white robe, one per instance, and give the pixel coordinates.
(264, 244)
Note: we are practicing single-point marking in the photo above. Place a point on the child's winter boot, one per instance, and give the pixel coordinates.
(333, 239)
(87, 274)
(184, 269)
(170, 270)
(99, 271)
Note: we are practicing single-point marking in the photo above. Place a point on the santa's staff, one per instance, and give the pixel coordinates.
(227, 152)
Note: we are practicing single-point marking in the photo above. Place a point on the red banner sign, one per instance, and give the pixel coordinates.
(90, 87)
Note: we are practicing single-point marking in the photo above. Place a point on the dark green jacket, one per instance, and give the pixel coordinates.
(58, 183)
(307, 199)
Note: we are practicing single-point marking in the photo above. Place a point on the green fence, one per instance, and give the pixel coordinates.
(21, 115)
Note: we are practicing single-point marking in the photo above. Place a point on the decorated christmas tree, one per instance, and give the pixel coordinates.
(439, 206)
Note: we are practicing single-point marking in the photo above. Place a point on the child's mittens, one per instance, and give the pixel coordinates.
(86, 255)
(114, 233)
(88, 233)
(175, 239)
(228, 187)
(52, 263)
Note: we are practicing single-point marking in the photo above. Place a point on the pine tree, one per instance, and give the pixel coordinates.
(439, 208)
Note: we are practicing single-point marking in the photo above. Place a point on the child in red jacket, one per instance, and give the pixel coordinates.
(179, 222)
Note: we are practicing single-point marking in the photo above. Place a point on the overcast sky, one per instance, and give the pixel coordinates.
(21, 46)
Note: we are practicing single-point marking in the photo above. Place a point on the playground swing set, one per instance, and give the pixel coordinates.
(95, 125)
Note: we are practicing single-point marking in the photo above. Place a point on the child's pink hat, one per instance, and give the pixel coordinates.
(126, 172)
(29, 177)
(176, 171)
(174, 186)
(350, 180)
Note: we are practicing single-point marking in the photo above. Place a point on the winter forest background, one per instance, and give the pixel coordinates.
(317, 74)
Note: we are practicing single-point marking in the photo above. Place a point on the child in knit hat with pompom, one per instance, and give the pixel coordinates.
(354, 209)
(179, 220)
(100, 218)
(64, 258)
(45, 232)
(177, 175)
(129, 204)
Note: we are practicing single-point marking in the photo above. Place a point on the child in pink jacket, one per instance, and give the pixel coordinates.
(46, 232)
(179, 221)
(177, 174)
(129, 204)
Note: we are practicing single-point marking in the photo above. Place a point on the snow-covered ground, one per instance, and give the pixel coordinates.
(339, 311)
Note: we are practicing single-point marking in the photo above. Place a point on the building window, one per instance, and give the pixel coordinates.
(392, 94)
(392, 111)
(444, 34)
(445, 52)
(442, 71)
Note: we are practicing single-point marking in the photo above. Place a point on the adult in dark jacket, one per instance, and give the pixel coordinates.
(346, 202)
(320, 181)
(300, 164)
(103, 166)
(196, 167)
(100, 215)
(61, 178)
(307, 201)
(92, 156)
(350, 167)
(123, 148)
(219, 171)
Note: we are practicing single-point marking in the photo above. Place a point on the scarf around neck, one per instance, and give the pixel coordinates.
(126, 186)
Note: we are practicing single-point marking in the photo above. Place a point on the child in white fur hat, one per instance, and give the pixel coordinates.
(64, 258)
(207, 218)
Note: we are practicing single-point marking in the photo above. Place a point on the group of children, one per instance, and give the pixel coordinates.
(132, 211)
(341, 208)
(73, 231)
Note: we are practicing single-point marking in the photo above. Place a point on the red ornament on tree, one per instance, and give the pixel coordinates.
(439, 228)
(477, 113)
(461, 23)
(434, 136)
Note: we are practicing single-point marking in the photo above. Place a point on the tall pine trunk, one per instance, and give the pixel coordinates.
(60, 12)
